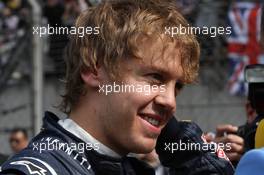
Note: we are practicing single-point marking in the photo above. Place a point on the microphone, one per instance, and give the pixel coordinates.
(182, 147)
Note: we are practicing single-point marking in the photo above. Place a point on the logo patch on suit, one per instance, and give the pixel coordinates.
(31, 167)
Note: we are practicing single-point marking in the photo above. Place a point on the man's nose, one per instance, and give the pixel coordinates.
(167, 99)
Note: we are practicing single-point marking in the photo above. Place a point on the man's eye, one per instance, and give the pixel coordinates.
(156, 77)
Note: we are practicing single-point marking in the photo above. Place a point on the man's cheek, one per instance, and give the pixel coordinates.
(147, 89)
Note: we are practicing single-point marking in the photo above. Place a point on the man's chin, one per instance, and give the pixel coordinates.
(145, 147)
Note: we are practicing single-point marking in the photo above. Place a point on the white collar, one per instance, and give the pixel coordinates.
(79, 132)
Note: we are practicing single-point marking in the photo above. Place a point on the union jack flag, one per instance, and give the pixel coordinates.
(243, 43)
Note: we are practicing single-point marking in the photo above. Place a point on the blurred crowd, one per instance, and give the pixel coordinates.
(14, 16)
(61, 13)
(16, 20)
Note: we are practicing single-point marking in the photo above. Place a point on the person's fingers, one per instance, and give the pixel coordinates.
(230, 138)
(220, 139)
(221, 129)
(233, 156)
(208, 137)
(233, 147)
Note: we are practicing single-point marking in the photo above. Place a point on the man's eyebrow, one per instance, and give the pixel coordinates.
(158, 69)
(164, 72)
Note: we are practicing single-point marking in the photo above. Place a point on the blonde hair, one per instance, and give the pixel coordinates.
(121, 23)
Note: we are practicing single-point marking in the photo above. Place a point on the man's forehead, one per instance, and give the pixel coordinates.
(17, 134)
(161, 56)
(170, 70)
(155, 45)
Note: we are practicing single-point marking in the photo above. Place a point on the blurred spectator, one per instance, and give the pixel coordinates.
(18, 139)
(227, 134)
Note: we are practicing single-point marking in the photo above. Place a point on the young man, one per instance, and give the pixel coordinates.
(18, 139)
(121, 88)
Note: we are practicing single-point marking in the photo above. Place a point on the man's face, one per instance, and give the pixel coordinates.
(132, 121)
(18, 141)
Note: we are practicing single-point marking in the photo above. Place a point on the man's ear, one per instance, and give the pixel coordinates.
(91, 78)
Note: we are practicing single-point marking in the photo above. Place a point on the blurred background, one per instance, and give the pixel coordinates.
(32, 67)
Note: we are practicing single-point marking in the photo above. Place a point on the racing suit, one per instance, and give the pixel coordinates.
(55, 150)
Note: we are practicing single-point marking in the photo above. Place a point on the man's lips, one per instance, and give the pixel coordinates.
(155, 120)
(152, 123)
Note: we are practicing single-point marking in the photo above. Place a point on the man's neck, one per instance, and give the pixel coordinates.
(71, 126)
(87, 116)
